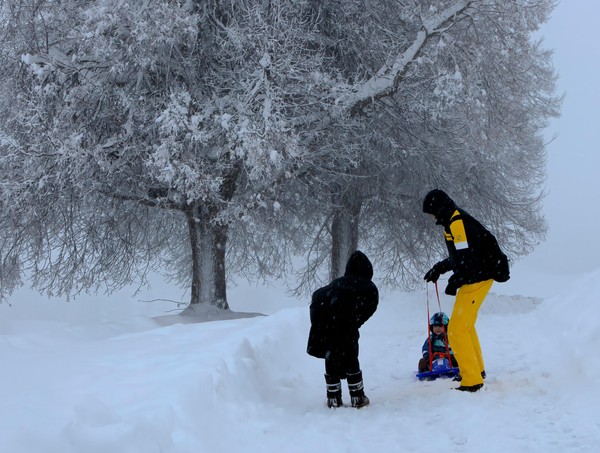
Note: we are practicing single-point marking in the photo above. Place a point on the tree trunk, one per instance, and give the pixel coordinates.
(344, 232)
(208, 242)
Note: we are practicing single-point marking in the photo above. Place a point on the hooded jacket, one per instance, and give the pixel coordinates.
(339, 309)
(473, 252)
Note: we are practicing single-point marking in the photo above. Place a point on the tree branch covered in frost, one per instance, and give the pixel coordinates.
(386, 81)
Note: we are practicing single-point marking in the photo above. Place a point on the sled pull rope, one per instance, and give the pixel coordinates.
(429, 342)
(437, 292)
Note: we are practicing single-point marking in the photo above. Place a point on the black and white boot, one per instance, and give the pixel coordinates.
(357, 391)
(334, 391)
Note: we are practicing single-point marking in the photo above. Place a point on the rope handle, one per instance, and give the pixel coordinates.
(429, 342)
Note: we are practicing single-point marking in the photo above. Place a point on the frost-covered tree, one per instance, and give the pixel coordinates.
(459, 101)
(176, 135)
(135, 125)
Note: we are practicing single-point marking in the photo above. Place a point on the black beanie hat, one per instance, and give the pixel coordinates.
(438, 203)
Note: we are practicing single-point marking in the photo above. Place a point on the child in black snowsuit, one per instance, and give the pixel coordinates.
(337, 311)
(437, 342)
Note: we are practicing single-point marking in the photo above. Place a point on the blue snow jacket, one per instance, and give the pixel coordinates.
(438, 344)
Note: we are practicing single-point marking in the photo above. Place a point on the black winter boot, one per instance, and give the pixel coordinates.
(357, 392)
(469, 388)
(334, 391)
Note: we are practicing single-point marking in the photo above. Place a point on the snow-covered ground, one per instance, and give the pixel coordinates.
(120, 376)
(111, 375)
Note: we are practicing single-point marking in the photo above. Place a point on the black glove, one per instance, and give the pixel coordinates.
(433, 274)
(453, 285)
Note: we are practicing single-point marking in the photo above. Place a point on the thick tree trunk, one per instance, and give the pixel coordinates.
(344, 232)
(208, 240)
(208, 243)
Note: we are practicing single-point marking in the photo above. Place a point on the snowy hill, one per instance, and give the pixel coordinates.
(71, 383)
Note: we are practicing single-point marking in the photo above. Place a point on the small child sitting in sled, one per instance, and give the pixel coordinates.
(436, 345)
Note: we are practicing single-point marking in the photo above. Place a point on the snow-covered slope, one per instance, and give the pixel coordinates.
(72, 383)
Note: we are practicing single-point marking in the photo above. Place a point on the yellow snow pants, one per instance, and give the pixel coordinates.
(462, 334)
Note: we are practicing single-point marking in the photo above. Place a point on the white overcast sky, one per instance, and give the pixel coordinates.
(572, 206)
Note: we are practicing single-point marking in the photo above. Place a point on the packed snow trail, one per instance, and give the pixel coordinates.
(246, 385)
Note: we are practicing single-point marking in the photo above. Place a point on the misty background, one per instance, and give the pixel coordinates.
(571, 206)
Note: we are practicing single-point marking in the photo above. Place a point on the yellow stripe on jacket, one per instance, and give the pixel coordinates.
(458, 234)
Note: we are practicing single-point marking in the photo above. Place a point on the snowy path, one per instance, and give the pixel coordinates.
(247, 385)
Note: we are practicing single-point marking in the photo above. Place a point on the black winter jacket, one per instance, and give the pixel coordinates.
(473, 252)
(339, 309)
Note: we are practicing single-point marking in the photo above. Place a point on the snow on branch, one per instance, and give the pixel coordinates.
(387, 79)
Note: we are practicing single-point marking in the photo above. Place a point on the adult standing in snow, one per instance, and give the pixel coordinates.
(337, 311)
(476, 261)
